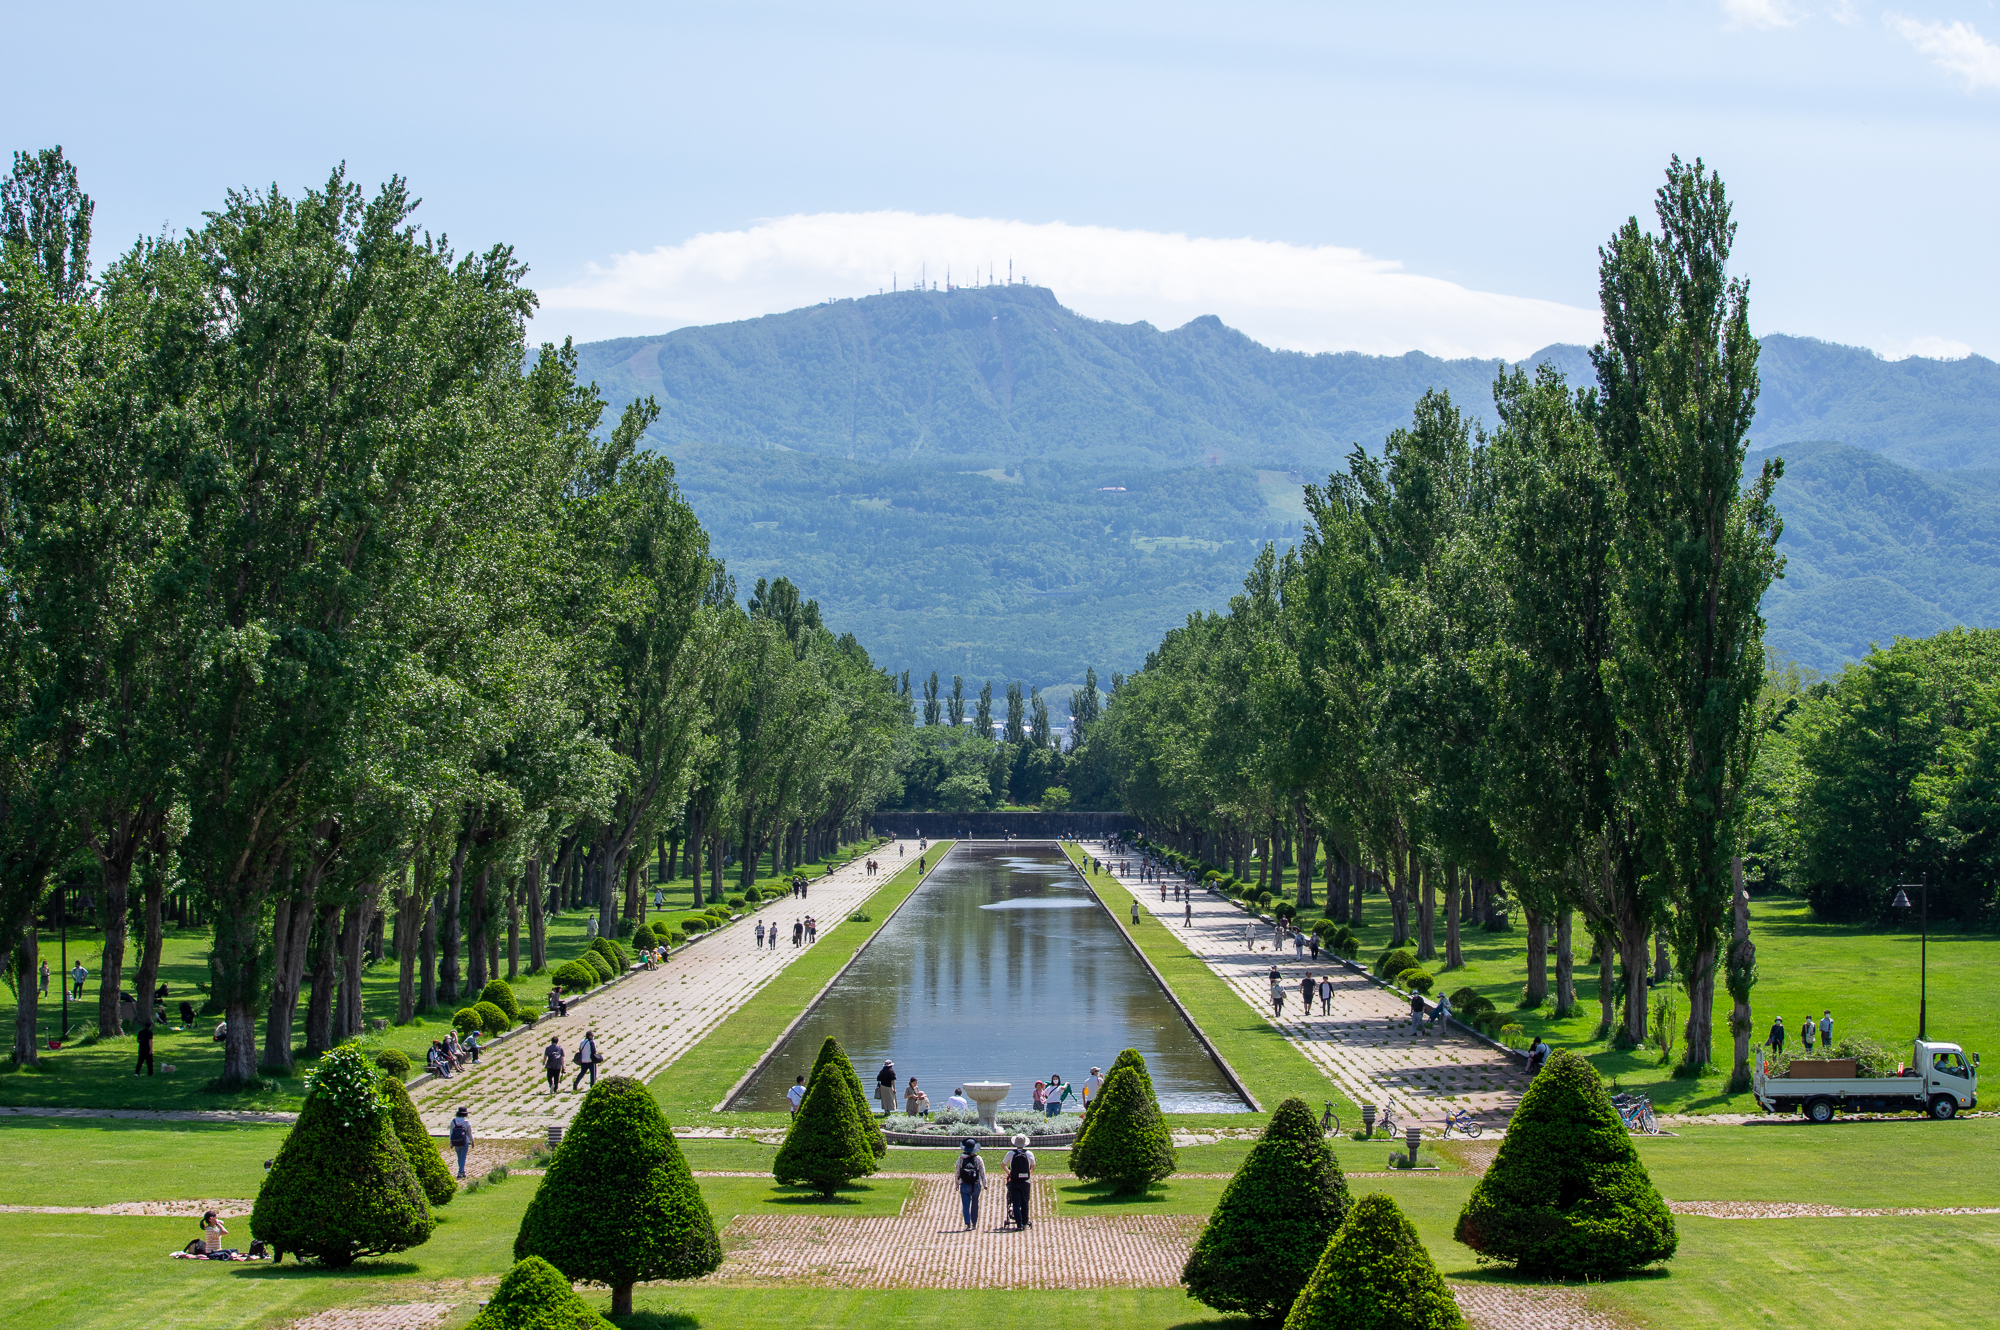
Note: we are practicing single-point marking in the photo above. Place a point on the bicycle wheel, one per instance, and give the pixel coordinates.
(1473, 1128)
(1330, 1125)
(1652, 1121)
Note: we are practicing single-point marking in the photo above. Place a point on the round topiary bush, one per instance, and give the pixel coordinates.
(1567, 1194)
(1416, 981)
(1124, 1140)
(1273, 1221)
(1392, 963)
(618, 1204)
(735, 903)
(695, 923)
(574, 977)
(465, 1020)
(501, 994)
(492, 1020)
(426, 1164)
(752, 894)
(341, 1186)
(829, 1143)
(627, 927)
(535, 1296)
(1286, 910)
(395, 1062)
(614, 955)
(1375, 1275)
(600, 969)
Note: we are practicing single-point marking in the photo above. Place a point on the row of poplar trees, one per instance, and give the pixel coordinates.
(1529, 656)
(330, 606)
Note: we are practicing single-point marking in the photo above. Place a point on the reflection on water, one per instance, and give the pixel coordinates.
(1001, 967)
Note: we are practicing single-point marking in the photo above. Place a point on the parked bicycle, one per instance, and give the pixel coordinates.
(1636, 1112)
(1462, 1120)
(1329, 1125)
(1386, 1124)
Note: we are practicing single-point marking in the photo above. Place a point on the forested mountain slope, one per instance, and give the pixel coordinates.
(1000, 487)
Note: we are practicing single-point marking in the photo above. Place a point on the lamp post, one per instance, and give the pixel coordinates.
(1902, 902)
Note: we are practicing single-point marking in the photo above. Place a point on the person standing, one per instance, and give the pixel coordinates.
(45, 979)
(552, 1063)
(885, 1088)
(1091, 1085)
(1020, 1169)
(1326, 995)
(1806, 1033)
(586, 1060)
(590, 927)
(1187, 915)
(915, 1102)
(77, 977)
(1135, 912)
(461, 1137)
(760, 935)
(1777, 1039)
(1826, 1028)
(971, 1175)
(1277, 995)
(797, 1094)
(1417, 1013)
(145, 1049)
(1442, 1011)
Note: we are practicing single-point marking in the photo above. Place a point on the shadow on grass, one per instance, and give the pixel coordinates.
(656, 1321)
(855, 1195)
(363, 1269)
(1506, 1274)
(1105, 1193)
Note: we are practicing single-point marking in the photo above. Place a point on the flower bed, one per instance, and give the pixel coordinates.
(959, 1122)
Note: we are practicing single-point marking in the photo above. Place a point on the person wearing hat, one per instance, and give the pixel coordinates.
(461, 1136)
(971, 1175)
(1020, 1167)
(885, 1087)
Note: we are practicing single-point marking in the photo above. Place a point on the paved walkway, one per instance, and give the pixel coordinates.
(1365, 1043)
(645, 1021)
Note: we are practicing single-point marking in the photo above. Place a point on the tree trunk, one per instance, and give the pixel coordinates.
(673, 865)
(1537, 991)
(1565, 964)
(1454, 954)
(27, 993)
(152, 896)
(1662, 966)
(353, 929)
(1360, 874)
(1426, 910)
(291, 930)
(1607, 987)
(239, 918)
(1742, 976)
(1632, 955)
(621, 1299)
(111, 968)
(538, 928)
(453, 920)
(1308, 852)
(1263, 863)
(427, 997)
(715, 868)
(513, 927)
(1399, 896)
(319, 1008)
(478, 928)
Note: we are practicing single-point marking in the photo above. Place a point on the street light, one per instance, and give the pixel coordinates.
(1902, 902)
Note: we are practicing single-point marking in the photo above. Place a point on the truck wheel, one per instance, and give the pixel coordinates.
(1944, 1108)
(1819, 1110)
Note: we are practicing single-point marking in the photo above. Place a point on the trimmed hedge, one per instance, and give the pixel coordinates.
(1392, 963)
(599, 966)
(535, 1296)
(1375, 1275)
(1124, 1140)
(574, 977)
(828, 1144)
(618, 1205)
(395, 1062)
(465, 1020)
(695, 923)
(426, 1164)
(341, 1186)
(1567, 1194)
(501, 994)
(491, 1019)
(832, 1055)
(1275, 1217)
(1416, 980)
(614, 955)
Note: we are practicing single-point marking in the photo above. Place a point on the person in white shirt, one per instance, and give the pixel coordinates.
(1092, 1084)
(958, 1099)
(1018, 1167)
(797, 1094)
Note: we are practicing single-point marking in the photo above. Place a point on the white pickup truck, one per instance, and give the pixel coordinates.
(1940, 1080)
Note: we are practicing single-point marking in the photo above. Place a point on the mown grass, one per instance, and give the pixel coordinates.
(98, 1073)
(1270, 1065)
(690, 1089)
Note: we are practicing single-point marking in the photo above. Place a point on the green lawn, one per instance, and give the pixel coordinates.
(1867, 976)
(98, 1074)
(1271, 1065)
(690, 1089)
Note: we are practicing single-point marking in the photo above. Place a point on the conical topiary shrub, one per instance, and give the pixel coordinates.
(831, 1054)
(1273, 1221)
(535, 1296)
(501, 994)
(1125, 1140)
(618, 1204)
(341, 1186)
(1375, 1275)
(828, 1144)
(1567, 1194)
(425, 1162)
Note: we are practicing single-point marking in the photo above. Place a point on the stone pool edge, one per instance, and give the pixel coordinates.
(825, 988)
(1235, 1081)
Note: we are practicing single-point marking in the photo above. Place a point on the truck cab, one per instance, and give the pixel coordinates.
(1947, 1072)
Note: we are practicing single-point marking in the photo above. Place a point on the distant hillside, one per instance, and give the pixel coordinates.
(984, 482)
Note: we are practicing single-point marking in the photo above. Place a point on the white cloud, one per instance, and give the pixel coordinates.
(1927, 348)
(1956, 47)
(1307, 298)
(1759, 13)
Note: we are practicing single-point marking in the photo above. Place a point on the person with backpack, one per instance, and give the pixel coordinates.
(1020, 1167)
(461, 1137)
(971, 1175)
(586, 1060)
(552, 1063)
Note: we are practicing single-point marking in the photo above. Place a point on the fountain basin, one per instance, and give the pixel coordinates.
(986, 1096)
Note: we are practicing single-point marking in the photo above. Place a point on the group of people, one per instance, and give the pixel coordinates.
(1310, 986)
(1304, 944)
(1017, 1168)
(448, 1054)
(1807, 1029)
(1050, 1095)
(805, 932)
(800, 884)
(586, 1061)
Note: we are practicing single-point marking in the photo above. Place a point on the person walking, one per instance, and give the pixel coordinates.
(797, 1094)
(461, 1137)
(1826, 1028)
(1777, 1039)
(552, 1063)
(1326, 995)
(1020, 1169)
(586, 1060)
(1187, 915)
(145, 1049)
(760, 935)
(1306, 990)
(798, 931)
(971, 1175)
(1277, 994)
(885, 1088)
(772, 939)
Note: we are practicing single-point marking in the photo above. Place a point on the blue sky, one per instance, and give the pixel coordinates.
(1325, 176)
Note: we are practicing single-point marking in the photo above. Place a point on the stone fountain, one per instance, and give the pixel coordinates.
(988, 1096)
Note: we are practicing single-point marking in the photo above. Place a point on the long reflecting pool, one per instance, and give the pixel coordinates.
(1001, 967)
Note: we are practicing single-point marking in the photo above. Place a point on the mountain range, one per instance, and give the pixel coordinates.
(983, 482)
